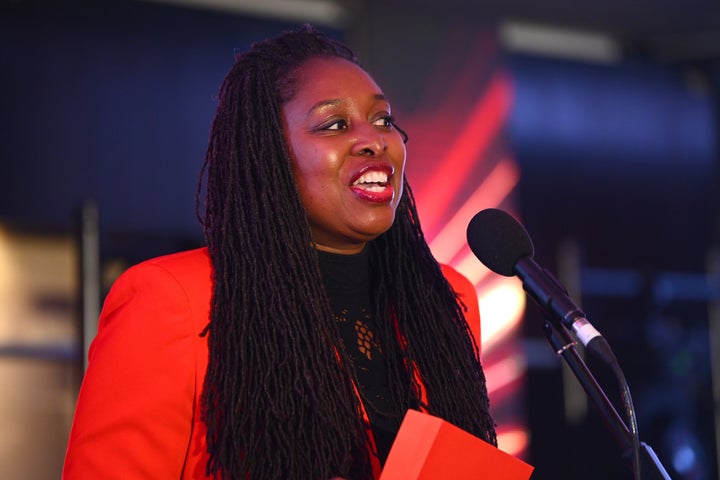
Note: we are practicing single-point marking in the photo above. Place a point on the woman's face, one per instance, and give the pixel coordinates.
(347, 158)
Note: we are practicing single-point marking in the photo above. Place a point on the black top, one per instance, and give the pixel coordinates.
(347, 282)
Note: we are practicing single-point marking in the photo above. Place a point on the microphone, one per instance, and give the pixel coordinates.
(503, 245)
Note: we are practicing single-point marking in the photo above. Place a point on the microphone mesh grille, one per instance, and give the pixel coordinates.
(498, 240)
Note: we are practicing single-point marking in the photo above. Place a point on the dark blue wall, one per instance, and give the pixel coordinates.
(110, 101)
(622, 158)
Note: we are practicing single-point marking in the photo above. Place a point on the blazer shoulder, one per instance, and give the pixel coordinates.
(190, 268)
(185, 274)
(458, 281)
(467, 294)
(191, 261)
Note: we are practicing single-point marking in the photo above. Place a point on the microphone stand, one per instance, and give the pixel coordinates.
(563, 343)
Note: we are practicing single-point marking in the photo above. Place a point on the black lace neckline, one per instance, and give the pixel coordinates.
(347, 283)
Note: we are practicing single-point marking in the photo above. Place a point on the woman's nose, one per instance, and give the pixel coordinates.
(368, 141)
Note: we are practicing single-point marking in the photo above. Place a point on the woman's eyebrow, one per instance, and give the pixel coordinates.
(334, 102)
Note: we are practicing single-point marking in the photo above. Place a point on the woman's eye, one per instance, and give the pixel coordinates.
(385, 121)
(336, 125)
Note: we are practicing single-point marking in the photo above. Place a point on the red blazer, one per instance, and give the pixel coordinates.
(138, 411)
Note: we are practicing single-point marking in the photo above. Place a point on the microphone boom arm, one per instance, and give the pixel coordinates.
(563, 344)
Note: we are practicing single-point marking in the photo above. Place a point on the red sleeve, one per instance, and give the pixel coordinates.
(134, 413)
(467, 294)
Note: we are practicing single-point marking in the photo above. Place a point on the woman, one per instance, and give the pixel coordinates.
(292, 346)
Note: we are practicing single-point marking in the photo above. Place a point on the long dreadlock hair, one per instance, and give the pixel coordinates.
(279, 399)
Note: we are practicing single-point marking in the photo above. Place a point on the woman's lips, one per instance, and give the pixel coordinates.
(373, 184)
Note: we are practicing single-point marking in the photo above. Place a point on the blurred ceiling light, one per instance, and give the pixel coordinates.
(558, 42)
(320, 12)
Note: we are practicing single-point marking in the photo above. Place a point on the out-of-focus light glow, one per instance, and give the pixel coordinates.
(323, 12)
(560, 42)
(481, 127)
(471, 267)
(684, 459)
(512, 440)
(491, 191)
(501, 308)
(8, 283)
(504, 372)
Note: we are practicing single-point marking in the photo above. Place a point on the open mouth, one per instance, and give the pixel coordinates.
(373, 181)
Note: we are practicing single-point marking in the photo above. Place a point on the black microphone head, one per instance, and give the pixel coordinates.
(498, 240)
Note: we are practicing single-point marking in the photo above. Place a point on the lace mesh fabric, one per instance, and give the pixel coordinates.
(347, 280)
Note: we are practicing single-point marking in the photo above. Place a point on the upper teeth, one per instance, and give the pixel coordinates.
(372, 177)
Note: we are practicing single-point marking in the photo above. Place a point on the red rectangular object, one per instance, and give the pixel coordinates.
(429, 448)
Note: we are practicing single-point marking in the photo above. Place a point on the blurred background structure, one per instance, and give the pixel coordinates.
(594, 123)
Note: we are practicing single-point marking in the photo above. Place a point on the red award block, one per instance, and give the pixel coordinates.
(429, 448)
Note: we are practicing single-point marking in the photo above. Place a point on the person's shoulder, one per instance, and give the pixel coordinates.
(467, 294)
(175, 279)
(186, 260)
(190, 269)
(455, 278)
(462, 286)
